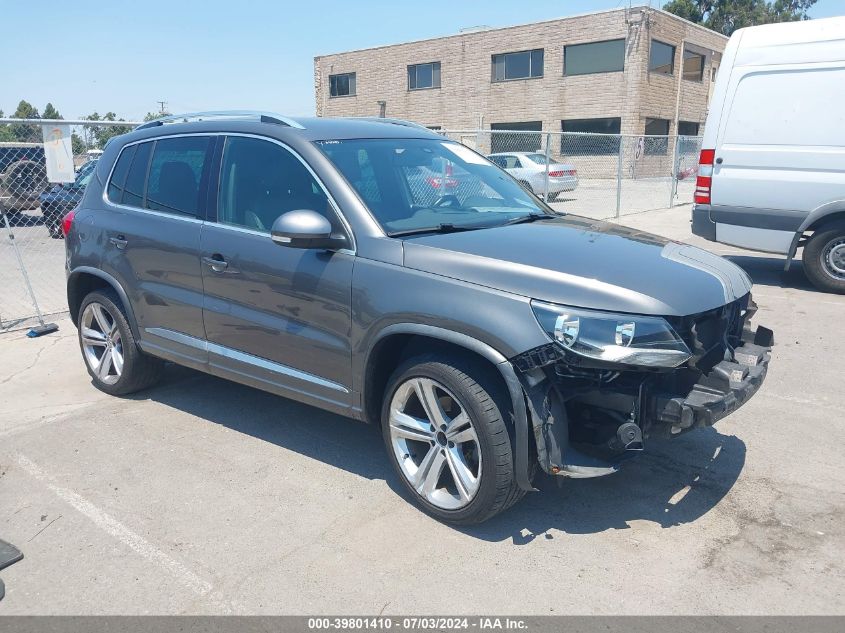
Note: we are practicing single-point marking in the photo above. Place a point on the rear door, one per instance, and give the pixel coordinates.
(156, 198)
(275, 317)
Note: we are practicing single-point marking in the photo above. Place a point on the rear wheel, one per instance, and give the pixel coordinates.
(114, 361)
(824, 258)
(446, 436)
(553, 196)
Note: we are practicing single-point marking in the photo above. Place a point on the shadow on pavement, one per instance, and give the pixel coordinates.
(672, 483)
(768, 271)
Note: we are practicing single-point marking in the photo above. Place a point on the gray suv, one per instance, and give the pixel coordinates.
(486, 334)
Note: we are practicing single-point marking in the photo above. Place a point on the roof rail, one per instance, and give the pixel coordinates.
(232, 115)
(375, 119)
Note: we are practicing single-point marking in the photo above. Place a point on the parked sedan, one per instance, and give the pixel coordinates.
(62, 198)
(529, 168)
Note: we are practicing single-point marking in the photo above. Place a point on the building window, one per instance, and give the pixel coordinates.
(594, 57)
(662, 59)
(512, 137)
(423, 76)
(693, 66)
(596, 137)
(342, 85)
(688, 128)
(659, 130)
(521, 65)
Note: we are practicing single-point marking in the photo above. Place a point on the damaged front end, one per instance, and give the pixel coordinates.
(593, 406)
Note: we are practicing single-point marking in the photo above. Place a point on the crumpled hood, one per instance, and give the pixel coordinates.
(586, 263)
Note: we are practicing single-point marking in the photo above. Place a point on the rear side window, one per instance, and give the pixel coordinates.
(176, 172)
(133, 190)
(118, 176)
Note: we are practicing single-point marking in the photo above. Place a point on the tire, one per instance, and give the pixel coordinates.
(553, 196)
(473, 406)
(104, 330)
(54, 226)
(824, 258)
(527, 186)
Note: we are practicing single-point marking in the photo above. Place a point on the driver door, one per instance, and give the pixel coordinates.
(275, 317)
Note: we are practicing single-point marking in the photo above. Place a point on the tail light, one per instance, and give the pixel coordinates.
(704, 180)
(435, 183)
(67, 221)
(562, 172)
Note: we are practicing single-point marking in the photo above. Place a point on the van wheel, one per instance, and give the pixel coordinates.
(824, 258)
(445, 433)
(114, 361)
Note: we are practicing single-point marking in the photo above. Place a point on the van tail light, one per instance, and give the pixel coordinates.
(67, 221)
(704, 180)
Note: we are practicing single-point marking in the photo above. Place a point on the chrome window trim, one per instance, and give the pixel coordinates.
(243, 357)
(125, 207)
(329, 197)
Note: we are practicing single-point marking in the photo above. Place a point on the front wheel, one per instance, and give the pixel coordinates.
(444, 427)
(824, 258)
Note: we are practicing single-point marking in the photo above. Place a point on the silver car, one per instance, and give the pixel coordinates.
(529, 168)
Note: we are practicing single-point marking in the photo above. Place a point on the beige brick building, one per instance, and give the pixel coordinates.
(642, 72)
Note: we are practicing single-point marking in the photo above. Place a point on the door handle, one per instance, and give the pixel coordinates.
(719, 160)
(119, 241)
(216, 263)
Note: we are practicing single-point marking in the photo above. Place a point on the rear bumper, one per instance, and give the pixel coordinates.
(702, 225)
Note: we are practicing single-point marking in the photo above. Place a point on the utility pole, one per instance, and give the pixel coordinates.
(161, 106)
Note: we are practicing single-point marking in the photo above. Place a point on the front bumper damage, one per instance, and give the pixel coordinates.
(587, 420)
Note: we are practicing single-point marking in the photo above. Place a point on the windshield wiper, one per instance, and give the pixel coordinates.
(531, 217)
(440, 228)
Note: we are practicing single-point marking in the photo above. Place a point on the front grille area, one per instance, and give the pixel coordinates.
(710, 334)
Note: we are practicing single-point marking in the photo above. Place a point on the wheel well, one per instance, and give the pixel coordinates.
(392, 350)
(78, 288)
(832, 218)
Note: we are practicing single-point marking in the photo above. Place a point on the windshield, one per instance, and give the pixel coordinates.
(411, 185)
(84, 175)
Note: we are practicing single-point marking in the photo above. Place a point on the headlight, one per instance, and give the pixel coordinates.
(613, 338)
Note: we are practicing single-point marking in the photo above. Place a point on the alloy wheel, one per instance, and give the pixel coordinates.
(102, 345)
(435, 443)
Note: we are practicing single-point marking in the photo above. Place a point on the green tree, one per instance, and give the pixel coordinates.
(50, 112)
(23, 132)
(77, 144)
(98, 135)
(152, 116)
(726, 16)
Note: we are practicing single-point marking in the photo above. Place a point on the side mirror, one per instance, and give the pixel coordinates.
(305, 228)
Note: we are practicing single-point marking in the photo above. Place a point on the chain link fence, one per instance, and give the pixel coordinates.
(596, 175)
(31, 211)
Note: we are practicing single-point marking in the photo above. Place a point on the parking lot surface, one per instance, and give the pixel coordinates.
(202, 496)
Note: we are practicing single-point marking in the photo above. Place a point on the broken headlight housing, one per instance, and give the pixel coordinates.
(624, 339)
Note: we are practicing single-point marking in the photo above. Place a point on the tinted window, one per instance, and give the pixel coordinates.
(662, 59)
(688, 128)
(595, 57)
(693, 66)
(421, 76)
(176, 171)
(659, 128)
(597, 136)
(521, 65)
(133, 192)
(118, 176)
(259, 181)
(502, 140)
(342, 85)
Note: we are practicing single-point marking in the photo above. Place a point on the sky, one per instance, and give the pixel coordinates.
(122, 56)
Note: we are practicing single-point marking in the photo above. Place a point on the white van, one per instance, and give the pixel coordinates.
(772, 169)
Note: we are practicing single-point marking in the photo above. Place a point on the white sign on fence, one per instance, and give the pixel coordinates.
(58, 152)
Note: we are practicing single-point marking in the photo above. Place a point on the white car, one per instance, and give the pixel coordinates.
(529, 168)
